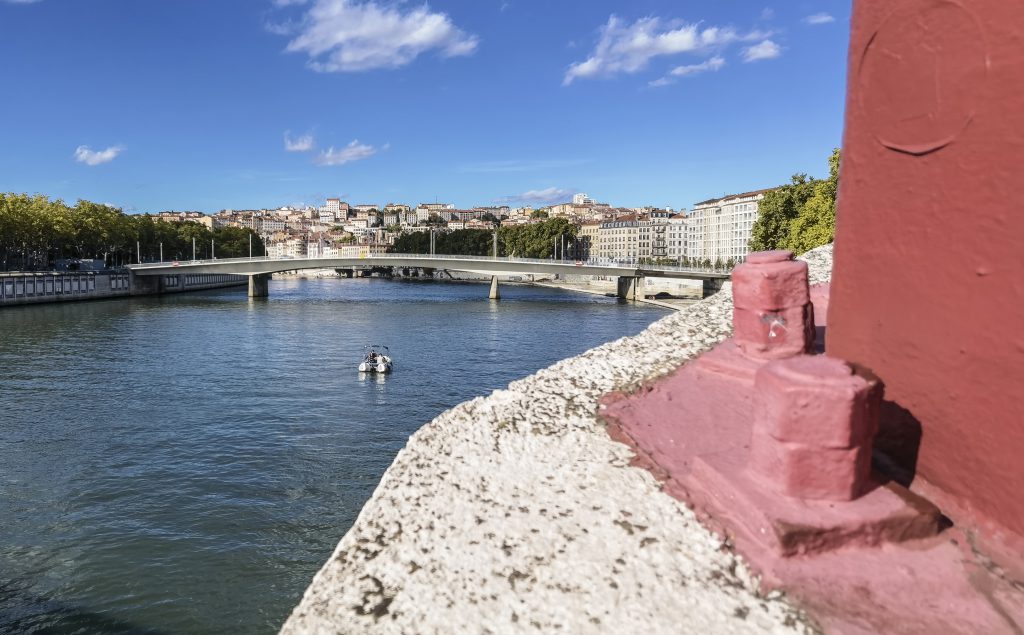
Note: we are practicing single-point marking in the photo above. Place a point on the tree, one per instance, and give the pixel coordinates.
(798, 216)
(815, 225)
(776, 210)
(412, 243)
(36, 232)
(538, 213)
(536, 240)
(233, 242)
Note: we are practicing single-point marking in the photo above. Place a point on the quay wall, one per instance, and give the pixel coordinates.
(39, 288)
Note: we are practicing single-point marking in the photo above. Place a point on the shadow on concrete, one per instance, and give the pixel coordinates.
(898, 443)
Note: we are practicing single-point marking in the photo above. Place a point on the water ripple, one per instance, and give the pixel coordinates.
(184, 464)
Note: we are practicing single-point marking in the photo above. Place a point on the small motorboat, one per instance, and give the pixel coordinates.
(377, 360)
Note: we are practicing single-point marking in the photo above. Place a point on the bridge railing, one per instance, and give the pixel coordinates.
(599, 262)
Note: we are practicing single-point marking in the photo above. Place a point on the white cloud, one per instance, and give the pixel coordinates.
(764, 51)
(83, 154)
(305, 143)
(281, 28)
(354, 151)
(349, 35)
(628, 48)
(819, 18)
(686, 70)
(712, 64)
(546, 196)
(21, 1)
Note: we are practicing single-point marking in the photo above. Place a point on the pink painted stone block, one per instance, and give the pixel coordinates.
(767, 334)
(774, 285)
(772, 312)
(772, 255)
(816, 401)
(808, 472)
(820, 298)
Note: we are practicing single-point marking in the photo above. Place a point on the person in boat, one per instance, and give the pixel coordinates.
(372, 357)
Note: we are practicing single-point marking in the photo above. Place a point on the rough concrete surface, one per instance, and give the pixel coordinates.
(517, 513)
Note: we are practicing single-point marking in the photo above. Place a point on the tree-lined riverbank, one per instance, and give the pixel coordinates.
(37, 232)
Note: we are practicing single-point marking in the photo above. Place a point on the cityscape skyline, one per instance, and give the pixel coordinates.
(289, 102)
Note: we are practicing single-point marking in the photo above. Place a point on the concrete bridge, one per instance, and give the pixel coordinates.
(259, 269)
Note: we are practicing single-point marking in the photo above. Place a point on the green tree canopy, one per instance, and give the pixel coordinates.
(536, 240)
(800, 215)
(36, 232)
(776, 210)
(815, 225)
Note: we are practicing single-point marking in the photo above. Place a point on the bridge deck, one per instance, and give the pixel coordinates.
(263, 265)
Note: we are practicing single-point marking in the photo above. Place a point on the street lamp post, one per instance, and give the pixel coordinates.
(193, 248)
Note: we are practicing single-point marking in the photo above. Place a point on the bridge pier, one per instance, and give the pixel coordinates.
(494, 294)
(627, 287)
(259, 286)
(712, 286)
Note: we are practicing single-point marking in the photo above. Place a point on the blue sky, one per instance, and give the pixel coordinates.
(212, 104)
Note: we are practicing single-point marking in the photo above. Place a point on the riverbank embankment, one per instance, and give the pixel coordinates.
(675, 304)
(21, 288)
(516, 512)
(674, 294)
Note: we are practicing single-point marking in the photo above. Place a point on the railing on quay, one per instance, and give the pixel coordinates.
(83, 272)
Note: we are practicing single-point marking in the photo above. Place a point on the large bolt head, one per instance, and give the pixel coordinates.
(817, 401)
(770, 286)
(810, 473)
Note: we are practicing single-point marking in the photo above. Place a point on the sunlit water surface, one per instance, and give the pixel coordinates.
(185, 464)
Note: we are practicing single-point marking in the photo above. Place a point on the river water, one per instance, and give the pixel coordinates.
(185, 464)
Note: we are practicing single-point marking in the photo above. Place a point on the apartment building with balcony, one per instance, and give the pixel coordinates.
(676, 233)
(619, 238)
(719, 228)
